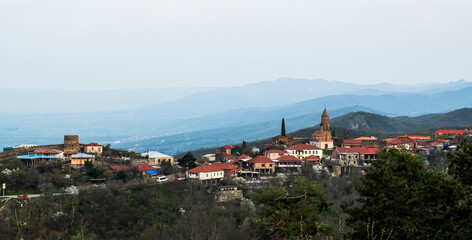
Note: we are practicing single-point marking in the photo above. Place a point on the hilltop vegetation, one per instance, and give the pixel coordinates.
(399, 197)
(357, 124)
(370, 121)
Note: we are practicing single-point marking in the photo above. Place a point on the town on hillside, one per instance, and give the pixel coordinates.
(290, 155)
(80, 165)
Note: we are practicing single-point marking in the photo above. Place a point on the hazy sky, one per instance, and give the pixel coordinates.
(174, 43)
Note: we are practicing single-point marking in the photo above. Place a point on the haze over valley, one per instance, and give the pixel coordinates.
(161, 119)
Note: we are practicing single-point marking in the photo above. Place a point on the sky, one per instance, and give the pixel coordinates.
(122, 44)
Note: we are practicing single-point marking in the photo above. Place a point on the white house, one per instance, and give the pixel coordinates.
(301, 151)
(206, 174)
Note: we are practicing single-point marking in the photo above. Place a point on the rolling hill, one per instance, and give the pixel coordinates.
(358, 124)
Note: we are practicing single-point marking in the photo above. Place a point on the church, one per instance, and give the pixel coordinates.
(322, 138)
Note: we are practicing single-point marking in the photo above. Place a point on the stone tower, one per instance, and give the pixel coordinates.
(71, 143)
(324, 126)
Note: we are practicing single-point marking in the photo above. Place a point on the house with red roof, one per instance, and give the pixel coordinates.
(347, 143)
(301, 151)
(288, 163)
(147, 170)
(353, 156)
(312, 160)
(206, 174)
(274, 154)
(438, 143)
(231, 149)
(262, 164)
(230, 170)
(450, 133)
(407, 142)
(93, 148)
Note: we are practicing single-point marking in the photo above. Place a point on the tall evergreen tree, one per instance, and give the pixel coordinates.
(244, 145)
(282, 132)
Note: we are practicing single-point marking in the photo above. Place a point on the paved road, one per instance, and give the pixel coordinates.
(16, 196)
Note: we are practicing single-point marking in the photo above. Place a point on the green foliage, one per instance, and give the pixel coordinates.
(284, 214)
(188, 161)
(460, 166)
(167, 168)
(440, 136)
(121, 175)
(149, 212)
(327, 152)
(403, 197)
(91, 170)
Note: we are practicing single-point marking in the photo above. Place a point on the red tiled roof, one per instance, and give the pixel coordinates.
(261, 159)
(244, 156)
(145, 167)
(205, 168)
(438, 142)
(312, 158)
(47, 151)
(275, 151)
(228, 147)
(352, 141)
(317, 133)
(93, 145)
(279, 137)
(365, 139)
(359, 150)
(224, 166)
(302, 147)
(288, 158)
(400, 140)
(415, 137)
(117, 168)
(449, 131)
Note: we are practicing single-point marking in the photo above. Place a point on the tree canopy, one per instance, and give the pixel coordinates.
(188, 161)
(402, 199)
(291, 213)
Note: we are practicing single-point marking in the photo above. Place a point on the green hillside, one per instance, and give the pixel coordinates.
(458, 117)
(370, 121)
(358, 124)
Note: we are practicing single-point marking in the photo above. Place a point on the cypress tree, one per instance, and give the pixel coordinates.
(244, 145)
(283, 127)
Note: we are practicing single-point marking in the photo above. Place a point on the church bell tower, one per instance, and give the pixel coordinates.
(324, 126)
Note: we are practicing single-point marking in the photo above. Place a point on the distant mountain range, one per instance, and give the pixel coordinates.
(205, 117)
(283, 92)
(341, 119)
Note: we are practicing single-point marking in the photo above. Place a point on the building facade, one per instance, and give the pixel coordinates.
(322, 138)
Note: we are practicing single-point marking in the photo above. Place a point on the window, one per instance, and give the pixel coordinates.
(270, 165)
(262, 165)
